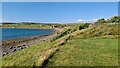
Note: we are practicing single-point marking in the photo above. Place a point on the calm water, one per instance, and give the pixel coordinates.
(13, 33)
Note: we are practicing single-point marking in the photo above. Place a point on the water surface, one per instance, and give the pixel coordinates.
(13, 33)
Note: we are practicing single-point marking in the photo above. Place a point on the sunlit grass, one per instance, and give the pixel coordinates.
(87, 52)
(25, 57)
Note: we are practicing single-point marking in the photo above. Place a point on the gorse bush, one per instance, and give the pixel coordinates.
(102, 20)
(114, 19)
(63, 33)
(83, 26)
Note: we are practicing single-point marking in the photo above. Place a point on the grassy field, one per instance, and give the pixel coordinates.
(94, 46)
(87, 52)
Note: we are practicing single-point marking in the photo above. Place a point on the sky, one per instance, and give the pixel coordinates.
(60, 0)
(57, 12)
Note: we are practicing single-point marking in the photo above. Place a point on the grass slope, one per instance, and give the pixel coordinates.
(95, 46)
(87, 52)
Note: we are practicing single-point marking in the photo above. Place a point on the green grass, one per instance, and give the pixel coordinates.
(26, 57)
(87, 52)
(96, 46)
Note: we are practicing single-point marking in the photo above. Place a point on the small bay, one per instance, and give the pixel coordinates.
(13, 33)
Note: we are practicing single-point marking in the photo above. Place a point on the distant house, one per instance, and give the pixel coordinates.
(90, 25)
(0, 25)
(54, 26)
(93, 24)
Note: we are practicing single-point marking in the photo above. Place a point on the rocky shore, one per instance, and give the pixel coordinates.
(19, 44)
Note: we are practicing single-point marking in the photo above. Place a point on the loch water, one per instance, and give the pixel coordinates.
(13, 33)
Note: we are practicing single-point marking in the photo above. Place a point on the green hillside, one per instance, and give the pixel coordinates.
(95, 46)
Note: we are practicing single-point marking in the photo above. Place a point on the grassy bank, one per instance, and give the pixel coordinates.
(92, 46)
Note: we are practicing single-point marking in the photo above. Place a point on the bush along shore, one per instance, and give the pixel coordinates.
(77, 45)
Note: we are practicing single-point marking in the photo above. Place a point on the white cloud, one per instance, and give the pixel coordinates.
(99, 18)
(94, 19)
(49, 22)
(105, 18)
(0, 20)
(84, 21)
(80, 20)
(25, 21)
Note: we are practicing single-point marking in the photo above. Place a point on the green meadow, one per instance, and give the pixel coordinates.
(87, 52)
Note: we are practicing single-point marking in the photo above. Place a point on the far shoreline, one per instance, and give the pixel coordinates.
(29, 28)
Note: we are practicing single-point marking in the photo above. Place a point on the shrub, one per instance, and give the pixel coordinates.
(70, 30)
(115, 19)
(102, 20)
(83, 26)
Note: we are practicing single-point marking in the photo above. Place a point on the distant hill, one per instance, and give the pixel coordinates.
(28, 23)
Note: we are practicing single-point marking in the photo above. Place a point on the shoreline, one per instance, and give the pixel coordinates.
(14, 45)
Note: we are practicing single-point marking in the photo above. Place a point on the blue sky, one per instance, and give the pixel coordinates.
(61, 12)
(60, 0)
